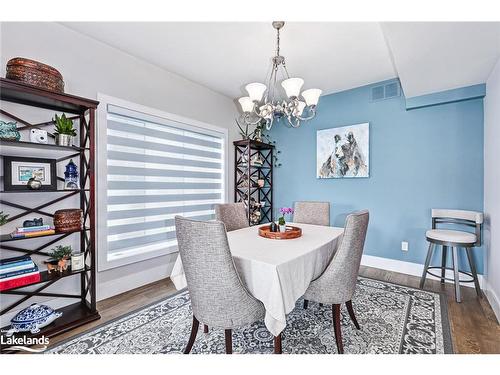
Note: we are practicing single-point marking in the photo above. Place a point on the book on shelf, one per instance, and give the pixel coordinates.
(20, 280)
(16, 264)
(5, 263)
(17, 273)
(33, 234)
(33, 229)
(15, 268)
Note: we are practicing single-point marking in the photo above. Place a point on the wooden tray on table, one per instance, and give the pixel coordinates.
(290, 233)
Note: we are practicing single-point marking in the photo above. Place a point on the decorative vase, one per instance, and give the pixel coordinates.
(273, 227)
(9, 132)
(283, 228)
(71, 176)
(64, 139)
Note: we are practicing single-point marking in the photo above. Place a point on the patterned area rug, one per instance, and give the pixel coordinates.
(393, 319)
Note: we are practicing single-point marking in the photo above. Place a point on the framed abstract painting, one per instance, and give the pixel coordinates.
(343, 152)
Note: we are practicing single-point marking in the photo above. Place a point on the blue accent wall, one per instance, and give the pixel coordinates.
(420, 159)
(448, 96)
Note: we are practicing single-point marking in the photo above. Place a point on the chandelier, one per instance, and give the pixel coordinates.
(267, 103)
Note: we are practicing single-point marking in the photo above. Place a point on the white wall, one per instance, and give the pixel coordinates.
(89, 67)
(492, 187)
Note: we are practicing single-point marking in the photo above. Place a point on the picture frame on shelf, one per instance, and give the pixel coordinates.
(19, 170)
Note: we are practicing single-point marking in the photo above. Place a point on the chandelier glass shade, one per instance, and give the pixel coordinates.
(266, 103)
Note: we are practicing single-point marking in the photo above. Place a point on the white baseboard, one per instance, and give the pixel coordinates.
(408, 268)
(492, 299)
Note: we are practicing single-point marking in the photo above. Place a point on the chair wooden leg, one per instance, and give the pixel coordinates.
(427, 262)
(229, 341)
(306, 303)
(336, 328)
(192, 337)
(443, 264)
(277, 344)
(205, 328)
(350, 310)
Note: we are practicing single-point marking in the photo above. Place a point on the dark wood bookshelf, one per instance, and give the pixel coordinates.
(76, 312)
(83, 109)
(42, 191)
(8, 238)
(257, 199)
(16, 92)
(45, 276)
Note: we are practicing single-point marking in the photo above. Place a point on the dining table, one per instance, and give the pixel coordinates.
(277, 271)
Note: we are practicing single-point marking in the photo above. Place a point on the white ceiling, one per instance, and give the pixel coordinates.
(432, 57)
(333, 56)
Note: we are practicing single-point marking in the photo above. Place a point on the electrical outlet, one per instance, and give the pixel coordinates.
(404, 246)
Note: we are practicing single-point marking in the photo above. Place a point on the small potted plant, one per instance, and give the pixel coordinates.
(3, 218)
(59, 258)
(281, 221)
(64, 130)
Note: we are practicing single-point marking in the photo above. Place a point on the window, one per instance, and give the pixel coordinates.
(152, 167)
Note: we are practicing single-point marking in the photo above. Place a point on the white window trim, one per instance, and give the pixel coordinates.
(103, 263)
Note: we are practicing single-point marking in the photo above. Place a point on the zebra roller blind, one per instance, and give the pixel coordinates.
(157, 169)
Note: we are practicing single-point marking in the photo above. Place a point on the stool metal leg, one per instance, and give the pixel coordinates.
(456, 274)
(443, 264)
(473, 271)
(427, 262)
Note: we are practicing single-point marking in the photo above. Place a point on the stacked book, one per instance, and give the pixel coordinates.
(25, 232)
(17, 272)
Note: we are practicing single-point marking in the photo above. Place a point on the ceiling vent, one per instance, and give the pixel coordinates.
(387, 91)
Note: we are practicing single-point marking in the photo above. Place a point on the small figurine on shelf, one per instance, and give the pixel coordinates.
(38, 136)
(9, 132)
(257, 161)
(34, 184)
(71, 176)
(255, 217)
(59, 259)
(33, 223)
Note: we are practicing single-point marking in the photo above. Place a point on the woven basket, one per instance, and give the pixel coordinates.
(35, 73)
(69, 220)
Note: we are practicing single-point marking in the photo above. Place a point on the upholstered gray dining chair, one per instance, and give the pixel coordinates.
(454, 239)
(233, 215)
(218, 297)
(338, 282)
(317, 213)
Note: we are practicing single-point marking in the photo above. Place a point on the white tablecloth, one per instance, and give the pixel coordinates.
(277, 272)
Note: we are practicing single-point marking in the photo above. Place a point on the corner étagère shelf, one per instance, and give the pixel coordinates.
(254, 164)
(83, 111)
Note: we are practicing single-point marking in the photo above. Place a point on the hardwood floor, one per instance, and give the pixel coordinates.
(474, 327)
(122, 304)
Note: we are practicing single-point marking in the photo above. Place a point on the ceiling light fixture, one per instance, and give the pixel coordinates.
(267, 102)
